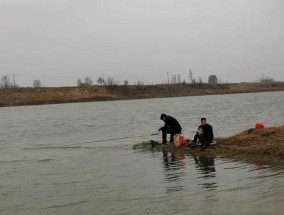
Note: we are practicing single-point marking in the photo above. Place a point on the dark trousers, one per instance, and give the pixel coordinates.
(202, 139)
(170, 131)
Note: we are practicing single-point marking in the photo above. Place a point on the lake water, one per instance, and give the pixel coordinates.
(53, 162)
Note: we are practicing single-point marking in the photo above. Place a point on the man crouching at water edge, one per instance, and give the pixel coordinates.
(204, 133)
(171, 127)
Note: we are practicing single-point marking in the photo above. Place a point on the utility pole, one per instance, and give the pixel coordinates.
(168, 78)
(5, 81)
(14, 80)
(190, 76)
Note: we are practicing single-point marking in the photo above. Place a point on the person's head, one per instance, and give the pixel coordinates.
(163, 116)
(203, 121)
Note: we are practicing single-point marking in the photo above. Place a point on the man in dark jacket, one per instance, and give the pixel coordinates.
(171, 127)
(204, 133)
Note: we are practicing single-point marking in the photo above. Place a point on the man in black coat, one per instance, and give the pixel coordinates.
(204, 133)
(171, 127)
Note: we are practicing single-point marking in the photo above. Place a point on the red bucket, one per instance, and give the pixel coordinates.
(259, 126)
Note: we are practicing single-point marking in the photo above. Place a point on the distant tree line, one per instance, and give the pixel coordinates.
(86, 83)
(176, 79)
(266, 80)
(109, 81)
(7, 82)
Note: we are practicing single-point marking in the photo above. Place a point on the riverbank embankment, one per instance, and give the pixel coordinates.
(44, 95)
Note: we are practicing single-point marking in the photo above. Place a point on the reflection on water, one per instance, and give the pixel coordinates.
(238, 188)
(174, 165)
(206, 168)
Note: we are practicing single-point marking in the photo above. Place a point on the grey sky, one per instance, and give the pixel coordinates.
(58, 41)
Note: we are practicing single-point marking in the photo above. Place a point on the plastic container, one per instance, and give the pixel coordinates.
(259, 126)
(178, 140)
(181, 139)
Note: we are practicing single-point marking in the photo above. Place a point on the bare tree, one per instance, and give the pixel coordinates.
(139, 83)
(174, 79)
(79, 82)
(36, 83)
(190, 76)
(212, 79)
(100, 81)
(200, 81)
(110, 81)
(125, 82)
(266, 80)
(113, 83)
(178, 79)
(88, 81)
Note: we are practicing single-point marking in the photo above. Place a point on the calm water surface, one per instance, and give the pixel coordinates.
(52, 162)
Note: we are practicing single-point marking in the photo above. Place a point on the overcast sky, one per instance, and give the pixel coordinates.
(59, 41)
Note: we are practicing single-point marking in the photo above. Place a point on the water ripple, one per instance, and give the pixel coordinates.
(66, 205)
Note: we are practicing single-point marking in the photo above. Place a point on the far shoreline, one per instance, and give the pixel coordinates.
(57, 95)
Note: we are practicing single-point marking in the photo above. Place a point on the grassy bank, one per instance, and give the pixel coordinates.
(260, 146)
(264, 146)
(37, 96)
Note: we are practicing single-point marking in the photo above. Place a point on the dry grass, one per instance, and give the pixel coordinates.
(262, 146)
